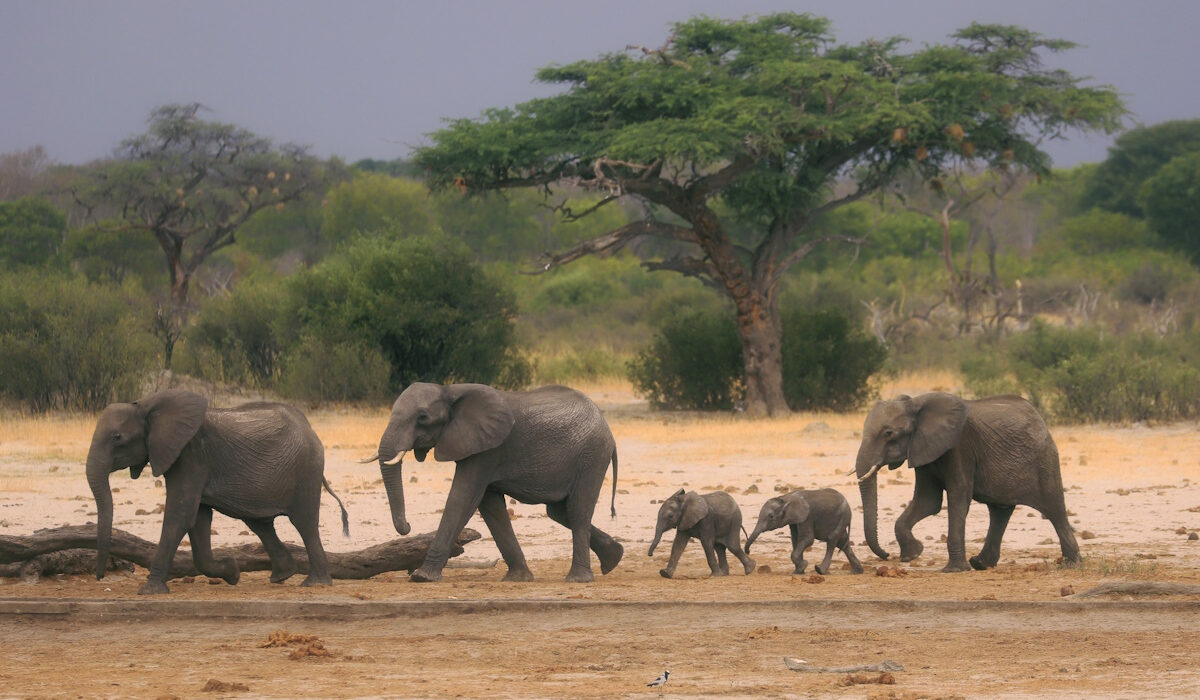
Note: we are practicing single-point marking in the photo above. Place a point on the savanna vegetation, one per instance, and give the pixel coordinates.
(751, 217)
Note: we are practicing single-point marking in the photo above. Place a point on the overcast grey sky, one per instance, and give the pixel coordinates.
(368, 79)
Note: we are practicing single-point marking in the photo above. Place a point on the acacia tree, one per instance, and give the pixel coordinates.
(735, 133)
(191, 184)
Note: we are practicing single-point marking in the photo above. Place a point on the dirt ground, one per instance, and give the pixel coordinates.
(1005, 632)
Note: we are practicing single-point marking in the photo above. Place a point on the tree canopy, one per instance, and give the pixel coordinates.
(736, 135)
(1134, 158)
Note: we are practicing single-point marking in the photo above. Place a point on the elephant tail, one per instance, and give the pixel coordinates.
(345, 515)
(613, 505)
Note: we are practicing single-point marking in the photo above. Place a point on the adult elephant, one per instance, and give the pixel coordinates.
(995, 450)
(549, 445)
(252, 462)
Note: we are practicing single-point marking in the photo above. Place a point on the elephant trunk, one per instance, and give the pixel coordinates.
(97, 476)
(868, 490)
(393, 482)
(758, 530)
(658, 533)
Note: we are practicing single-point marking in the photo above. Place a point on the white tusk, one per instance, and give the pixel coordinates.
(869, 474)
(370, 459)
(395, 460)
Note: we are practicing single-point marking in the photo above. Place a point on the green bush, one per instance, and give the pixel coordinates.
(827, 363)
(317, 371)
(69, 344)
(1080, 375)
(694, 362)
(431, 313)
(235, 339)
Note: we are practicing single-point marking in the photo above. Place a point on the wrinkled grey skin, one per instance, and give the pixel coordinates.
(995, 450)
(820, 514)
(713, 518)
(550, 445)
(252, 462)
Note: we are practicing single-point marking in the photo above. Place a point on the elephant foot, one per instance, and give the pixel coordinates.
(666, 573)
(911, 552)
(518, 575)
(824, 571)
(314, 580)
(856, 568)
(580, 575)
(610, 557)
(749, 566)
(955, 566)
(719, 572)
(282, 573)
(800, 568)
(980, 564)
(423, 575)
(154, 588)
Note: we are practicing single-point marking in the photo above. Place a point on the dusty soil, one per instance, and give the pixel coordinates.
(1132, 490)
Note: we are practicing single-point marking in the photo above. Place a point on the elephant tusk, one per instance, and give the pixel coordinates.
(395, 460)
(869, 474)
(370, 459)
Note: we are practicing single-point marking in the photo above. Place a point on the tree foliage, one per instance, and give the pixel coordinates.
(191, 184)
(745, 126)
(31, 232)
(1171, 202)
(1135, 157)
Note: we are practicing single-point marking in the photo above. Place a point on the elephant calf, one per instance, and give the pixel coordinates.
(821, 514)
(713, 518)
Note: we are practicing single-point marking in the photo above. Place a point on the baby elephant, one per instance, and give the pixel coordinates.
(821, 514)
(713, 518)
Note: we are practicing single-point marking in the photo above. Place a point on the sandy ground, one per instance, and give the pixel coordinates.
(1131, 489)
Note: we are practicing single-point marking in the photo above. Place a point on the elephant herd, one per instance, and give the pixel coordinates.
(552, 446)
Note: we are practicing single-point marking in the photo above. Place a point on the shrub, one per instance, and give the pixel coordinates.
(1079, 375)
(317, 371)
(68, 344)
(827, 363)
(235, 339)
(431, 313)
(694, 362)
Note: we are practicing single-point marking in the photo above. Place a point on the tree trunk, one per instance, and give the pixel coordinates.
(402, 554)
(761, 332)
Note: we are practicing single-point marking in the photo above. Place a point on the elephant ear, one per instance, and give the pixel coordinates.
(695, 508)
(480, 419)
(172, 419)
(797, 511)
(939, 424)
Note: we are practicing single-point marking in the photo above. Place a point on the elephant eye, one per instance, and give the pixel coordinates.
(423, 417)
(116, 437)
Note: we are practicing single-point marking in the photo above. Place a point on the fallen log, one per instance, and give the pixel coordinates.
(401, 554)
(1140, 588)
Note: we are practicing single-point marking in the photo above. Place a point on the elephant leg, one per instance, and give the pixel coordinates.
(856, 566)
(721, 560)
(823, 567)
(958, 503)
(495, 516)
(603, 544)
(1066, 535)
(201, 536)
(307, 522)
(579, 512)
(283, 566)
(735, 545)
(710, 554)
(804, 540)
(179, 515)
(998, 516)
(677, 547)
(926, 501)
(463, 500)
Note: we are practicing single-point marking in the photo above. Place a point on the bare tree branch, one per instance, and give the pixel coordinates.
(614, 241)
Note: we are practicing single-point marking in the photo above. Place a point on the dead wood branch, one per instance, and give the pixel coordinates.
(401, 554)
(1140, 588)
(795, 664)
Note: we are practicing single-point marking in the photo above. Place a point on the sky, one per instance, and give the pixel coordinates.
(371, 79)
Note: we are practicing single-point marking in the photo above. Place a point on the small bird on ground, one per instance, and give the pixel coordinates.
(660, 681)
